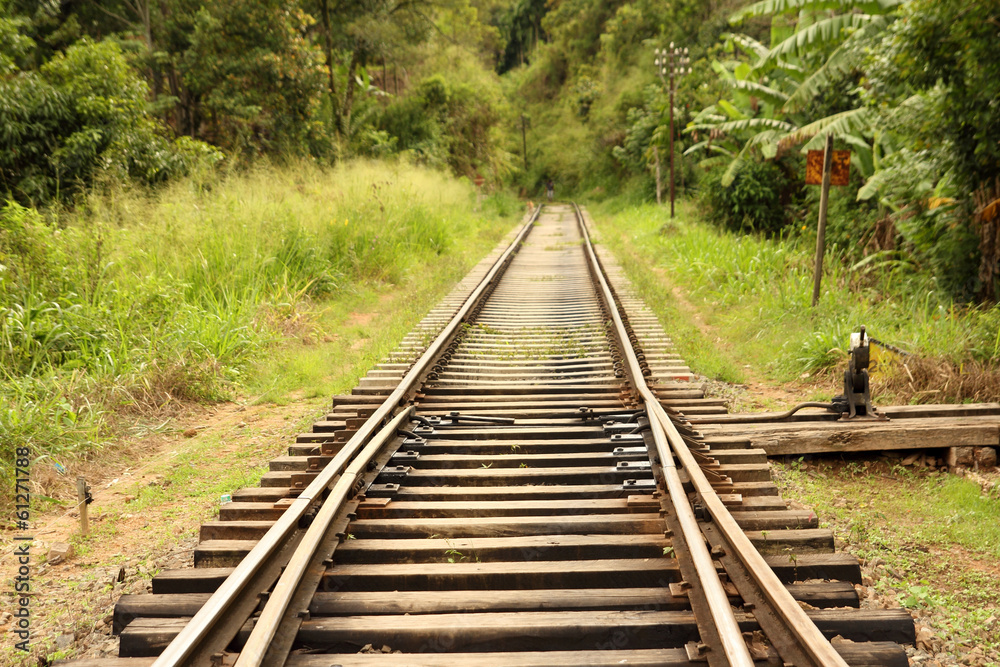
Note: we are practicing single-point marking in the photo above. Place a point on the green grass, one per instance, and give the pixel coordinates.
(132, 300)
(937, 535)
(755, 294)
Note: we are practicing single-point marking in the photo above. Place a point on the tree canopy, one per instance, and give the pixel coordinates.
(146, 89)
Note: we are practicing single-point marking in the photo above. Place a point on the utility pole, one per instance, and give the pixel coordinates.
(671, 136)
(659, 188)
(524, 141)
(824, 196)
(674, 60)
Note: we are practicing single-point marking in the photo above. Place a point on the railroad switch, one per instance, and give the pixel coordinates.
(456, 418)
(856, 401)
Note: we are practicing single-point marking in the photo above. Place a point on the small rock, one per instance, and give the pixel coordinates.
(59, 552)
(5, 617)
(386, 649)
(960, 456)
(65, 640)
(924, 637)
(985, 457)
(911, 459)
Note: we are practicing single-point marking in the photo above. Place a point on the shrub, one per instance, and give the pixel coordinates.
(83, 114)
(754, 201)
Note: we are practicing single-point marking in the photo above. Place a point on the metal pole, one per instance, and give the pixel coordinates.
(81, 497)
(821, 227)
(671, 136)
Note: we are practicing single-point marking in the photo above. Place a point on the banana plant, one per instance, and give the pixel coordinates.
(769, 110)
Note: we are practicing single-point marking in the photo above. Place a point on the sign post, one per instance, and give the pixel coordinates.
(825, 168)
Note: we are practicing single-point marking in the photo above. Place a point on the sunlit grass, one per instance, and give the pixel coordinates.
(134, 300)
(757, 292)
(938, 536)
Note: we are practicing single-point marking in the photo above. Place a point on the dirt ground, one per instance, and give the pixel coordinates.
(137, 528)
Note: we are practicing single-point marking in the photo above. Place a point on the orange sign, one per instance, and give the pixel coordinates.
(840, 168)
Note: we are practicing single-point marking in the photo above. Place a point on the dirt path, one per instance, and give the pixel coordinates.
(150, 498)
(758, 393)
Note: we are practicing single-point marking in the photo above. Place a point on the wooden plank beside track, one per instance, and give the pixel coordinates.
(814, 437)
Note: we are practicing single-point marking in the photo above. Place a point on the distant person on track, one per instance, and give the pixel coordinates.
(550, 189)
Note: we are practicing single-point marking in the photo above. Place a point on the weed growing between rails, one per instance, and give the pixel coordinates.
(930, 542)
(131, 301)
(755, 293)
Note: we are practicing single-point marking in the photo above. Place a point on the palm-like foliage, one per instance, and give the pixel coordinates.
(769, 111)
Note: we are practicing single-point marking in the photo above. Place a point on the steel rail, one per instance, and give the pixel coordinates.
(270, 617)
(211, 614)
(735, 649)
(669, 442)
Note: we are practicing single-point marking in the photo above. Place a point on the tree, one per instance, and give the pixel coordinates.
(360, 33)
(258, 80)
(82, 114)
(935, 79)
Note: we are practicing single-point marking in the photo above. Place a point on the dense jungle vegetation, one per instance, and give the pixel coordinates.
(179, 177)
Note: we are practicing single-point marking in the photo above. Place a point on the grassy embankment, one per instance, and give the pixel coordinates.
(114, 312)
(739, 306)
(754, 294)
(931, 541)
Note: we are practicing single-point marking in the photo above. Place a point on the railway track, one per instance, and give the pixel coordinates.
(527, 492)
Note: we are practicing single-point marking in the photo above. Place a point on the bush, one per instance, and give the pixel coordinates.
(83, 114)
(451, 124)
(754, 201)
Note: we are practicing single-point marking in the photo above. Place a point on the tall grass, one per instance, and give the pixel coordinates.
(133, 300)
(758, 292)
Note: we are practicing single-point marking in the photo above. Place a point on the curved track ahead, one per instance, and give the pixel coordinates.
(514, 510)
